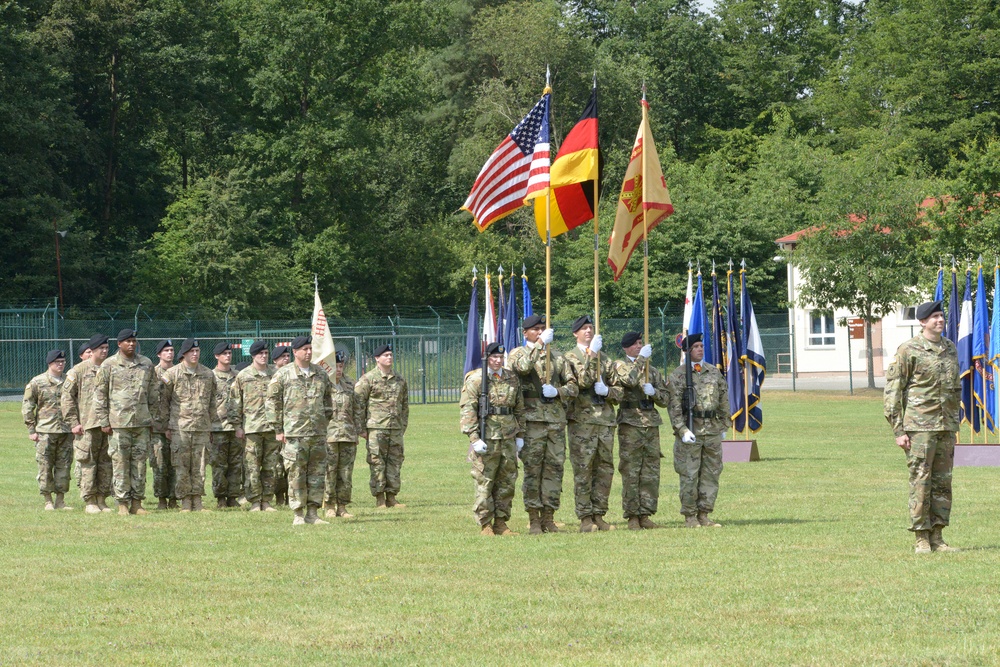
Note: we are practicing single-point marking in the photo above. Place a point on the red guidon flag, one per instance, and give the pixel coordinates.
(644, 197)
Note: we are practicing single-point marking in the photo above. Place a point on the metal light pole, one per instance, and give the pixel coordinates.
(59, 234)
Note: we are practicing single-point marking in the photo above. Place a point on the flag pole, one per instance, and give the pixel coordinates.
(645, 247)
(746, 364)
(729, 345)
(597, 243)
(548, 259)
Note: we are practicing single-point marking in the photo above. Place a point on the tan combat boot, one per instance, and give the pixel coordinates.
(587, 525)
(255, 507)
(646, 523)
(91, 507)
(390, 501)
(923, 545)
(60, 503)
(500, 528)
(380, 500)
(186, 504)
(601, 523)
(123, 509)
(162, 504)
(548, 523)
(633, 523)
(691, 522)
(937, 541)
(534, 523)
(49, 505)
(265, 505)
(312, 516)
(102, 504)
(707, 522)
(299, 519)
(137, 507)
(220, 504)
(331, 510)
(486, 530)
(343, 513)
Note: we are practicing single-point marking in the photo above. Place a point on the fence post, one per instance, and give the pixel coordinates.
(423, 369)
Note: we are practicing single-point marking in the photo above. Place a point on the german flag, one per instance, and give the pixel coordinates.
(573, 175)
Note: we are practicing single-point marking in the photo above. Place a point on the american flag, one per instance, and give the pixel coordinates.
(516, 172)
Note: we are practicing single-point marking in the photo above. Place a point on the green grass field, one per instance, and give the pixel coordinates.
(813, 567)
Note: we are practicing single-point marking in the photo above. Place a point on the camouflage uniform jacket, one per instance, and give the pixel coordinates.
(160, 419)
(348, 419)
(223, 384)
(127, 394)
(192, 398)
(42, 405)
(711, 410)
(506, 419)
(632, 376)
(528, 362)
(922, 387)
(78, 395)
(588, 407)
(248, 398)
(383, 400)
(299, 402)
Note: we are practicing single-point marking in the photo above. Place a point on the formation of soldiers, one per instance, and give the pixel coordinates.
(539, 394)
(271, 431)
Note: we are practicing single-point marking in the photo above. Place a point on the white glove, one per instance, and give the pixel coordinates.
(646, 351)
(548, 391)
(520, 444)
(648, 389)
(600, 388)
(688, 437)
(546, 336)
(596, 344)
(479, 447)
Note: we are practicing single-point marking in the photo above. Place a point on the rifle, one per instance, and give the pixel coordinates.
(484, 398)
(690, 397)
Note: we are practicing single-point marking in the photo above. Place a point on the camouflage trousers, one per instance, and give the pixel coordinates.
(164, 475)
(339, 470)
(543, 457)
(305, 460)
(227, 464)
(93, 463)
(495, 473)
(280, 476)
(639, 464)
(187, 452)
(54, 456)
(930, 459)
(385, 458)
(698, 465)
(591, 451)
(260, 460)
(129, 447)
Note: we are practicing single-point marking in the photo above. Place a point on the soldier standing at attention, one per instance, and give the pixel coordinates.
(383, 399)
(280, 357)
(548, 384)
(698, 454)
(193, 403)
(227, 449)
(164, 476)
(42, 412)
(93, 462)
(639, 431)
(494, 453)
(299, 407)
(591, 425)
(922, 396)
(341, 442)
(85, 354)
(247, 412)
(125, 399)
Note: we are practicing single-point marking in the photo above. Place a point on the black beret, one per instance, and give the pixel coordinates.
(162, 345)
(382, 349)
(532, 321)
(220, 348)
(300, 341)
(188, 345)
(125, 334)
(278, 351)
(494, 348)
(341, 356)
(581, 322)
(925, 310)
(629, 339)
(258, 346)
(54, 355)
(240, 366)
(690, 340)
(95, 342)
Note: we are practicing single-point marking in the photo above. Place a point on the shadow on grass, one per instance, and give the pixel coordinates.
(775, 521)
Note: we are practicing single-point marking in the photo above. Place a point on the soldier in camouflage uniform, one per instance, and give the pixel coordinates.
(280, 356)
(922, 396)
(494, 453)
(548, 385)
(248, 414)
(226, 449)
(90, 446)
(126, 397)
(639, 431)
(383, 399)
(591, 426)
(341, 442)
(698, 454)
(164, 475)
(42, 412)
(299, 407)
(85, 353)
(193, 402)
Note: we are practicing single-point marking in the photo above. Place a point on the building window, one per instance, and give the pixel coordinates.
(908, 315)
(821, 329)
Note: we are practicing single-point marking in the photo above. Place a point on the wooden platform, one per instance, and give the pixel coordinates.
(740, 451)
(974, 454)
